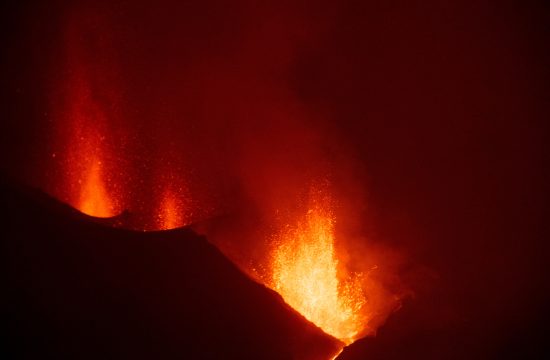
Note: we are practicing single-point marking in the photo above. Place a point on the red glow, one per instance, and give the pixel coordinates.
(94, 199)
(85, 108)
(171, 212)
(87, 160)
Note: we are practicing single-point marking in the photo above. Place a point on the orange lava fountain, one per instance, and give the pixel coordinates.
(94, 199)
(85, 103)
(305, 273)
(87, 168)
(171, 213)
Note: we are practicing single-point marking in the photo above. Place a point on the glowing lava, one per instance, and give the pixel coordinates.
(171, 213)
(87, 169)
(85, 103)
(305, 273)
(94, 199)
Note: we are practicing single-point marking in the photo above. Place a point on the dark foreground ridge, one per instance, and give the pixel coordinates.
(75, 289)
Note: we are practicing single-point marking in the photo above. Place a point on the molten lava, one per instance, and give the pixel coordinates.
(305, 273)
(171, 213)
(87, 168)
(87, 171)
(94, 199)
(85, 103)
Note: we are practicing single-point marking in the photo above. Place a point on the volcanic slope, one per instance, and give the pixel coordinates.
(77, 289)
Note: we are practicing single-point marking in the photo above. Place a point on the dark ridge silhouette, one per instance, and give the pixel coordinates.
(427, 328)
(76, 289)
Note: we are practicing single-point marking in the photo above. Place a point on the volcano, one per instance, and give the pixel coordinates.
(274, 180)
(77, 289)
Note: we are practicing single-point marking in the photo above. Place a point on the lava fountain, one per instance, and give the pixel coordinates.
(85, 103)
(170, 213)
(87, 155)
(94, 199)
(305, 271)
